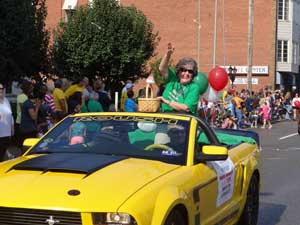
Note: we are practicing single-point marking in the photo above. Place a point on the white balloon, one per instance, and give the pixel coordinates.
(210, 94)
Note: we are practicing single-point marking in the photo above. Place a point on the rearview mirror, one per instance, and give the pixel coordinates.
(212, 153)
(29, 142)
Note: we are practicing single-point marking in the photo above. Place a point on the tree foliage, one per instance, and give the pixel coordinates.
(23, 38)
(106, 39)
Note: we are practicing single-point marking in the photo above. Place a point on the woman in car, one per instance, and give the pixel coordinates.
(180, 93)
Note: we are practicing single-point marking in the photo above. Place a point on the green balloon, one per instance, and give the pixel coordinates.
(202, 81)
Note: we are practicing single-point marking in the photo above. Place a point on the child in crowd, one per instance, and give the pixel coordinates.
(266, 113)
(254, 118)
(229, 122)
(130, 105)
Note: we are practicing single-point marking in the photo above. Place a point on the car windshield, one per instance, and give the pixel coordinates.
(154, 138)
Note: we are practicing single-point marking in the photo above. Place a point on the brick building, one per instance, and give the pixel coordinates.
(178, 21)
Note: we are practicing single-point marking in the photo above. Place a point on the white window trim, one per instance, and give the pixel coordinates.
(70, 5)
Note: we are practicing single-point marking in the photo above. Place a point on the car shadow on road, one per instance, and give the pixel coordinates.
(270, 213)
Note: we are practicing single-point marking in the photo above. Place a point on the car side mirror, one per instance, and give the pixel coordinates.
(29, 142)
(212, 153)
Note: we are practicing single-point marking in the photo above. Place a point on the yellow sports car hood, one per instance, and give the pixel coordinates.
(75, 182)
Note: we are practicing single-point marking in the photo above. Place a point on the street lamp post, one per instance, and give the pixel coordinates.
(232, 73)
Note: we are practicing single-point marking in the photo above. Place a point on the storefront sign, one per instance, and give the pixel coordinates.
(255, 69)
(239, 80)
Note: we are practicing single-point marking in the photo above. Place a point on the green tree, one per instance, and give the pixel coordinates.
(105, 39)
(23, 38)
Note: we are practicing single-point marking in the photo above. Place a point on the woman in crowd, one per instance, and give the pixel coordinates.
(180, 94)
(295, 105)
(6, 123)
(29, 117)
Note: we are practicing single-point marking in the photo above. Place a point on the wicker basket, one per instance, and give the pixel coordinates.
(148, 104)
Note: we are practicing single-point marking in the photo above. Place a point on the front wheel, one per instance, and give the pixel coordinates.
(250, 213)
(175, 218)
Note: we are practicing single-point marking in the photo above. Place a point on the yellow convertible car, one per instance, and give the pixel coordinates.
(134, 169)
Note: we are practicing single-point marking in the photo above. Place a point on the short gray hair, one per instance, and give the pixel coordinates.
(187, 61)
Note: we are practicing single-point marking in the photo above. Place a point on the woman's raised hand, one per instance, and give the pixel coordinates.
(170, 49)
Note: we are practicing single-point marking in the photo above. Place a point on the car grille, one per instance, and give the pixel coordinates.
(18, 216)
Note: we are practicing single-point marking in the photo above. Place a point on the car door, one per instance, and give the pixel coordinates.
(213, 198)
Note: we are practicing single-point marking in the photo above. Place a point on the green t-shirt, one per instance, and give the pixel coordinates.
(92, 106)
(141, 138)
(176, 92)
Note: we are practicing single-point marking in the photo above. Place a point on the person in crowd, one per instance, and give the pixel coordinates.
(266, 113)
(130, 104)
(104, 97)
(49, 99)
(238, 109)
(129, 87)
(295, 106)
(92, 104)
(75, 102)
(59, 98)
(6, 123)
(229, 122)
(77, 87)
(248, 102)
(254, 117)
(232, 107)
(27, 88)
(44, 112)
(29, 116)
(180, 94)
(124, 89)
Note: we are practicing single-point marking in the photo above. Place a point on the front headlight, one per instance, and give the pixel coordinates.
(113, 218)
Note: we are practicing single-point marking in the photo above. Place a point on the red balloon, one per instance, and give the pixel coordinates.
(297, 104)
(218, 78)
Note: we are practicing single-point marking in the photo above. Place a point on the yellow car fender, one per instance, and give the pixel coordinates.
(249, 168)
(166, 200)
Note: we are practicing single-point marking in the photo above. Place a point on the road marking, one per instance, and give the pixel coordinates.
(288, 136)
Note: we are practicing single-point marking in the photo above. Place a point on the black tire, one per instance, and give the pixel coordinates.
(250, 212)
(175, 218)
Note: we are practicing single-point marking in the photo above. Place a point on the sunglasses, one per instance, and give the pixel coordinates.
(186, 70)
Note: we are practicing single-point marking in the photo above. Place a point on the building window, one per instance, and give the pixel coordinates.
(295, 52)
(282, 51)
(69, 7)
(283, 9)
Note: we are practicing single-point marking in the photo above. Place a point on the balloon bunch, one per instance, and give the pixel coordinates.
(211, 87)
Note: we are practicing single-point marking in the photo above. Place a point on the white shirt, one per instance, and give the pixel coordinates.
(294, 100)
(6, 119)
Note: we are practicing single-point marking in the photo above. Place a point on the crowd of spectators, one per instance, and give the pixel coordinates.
(237, 110)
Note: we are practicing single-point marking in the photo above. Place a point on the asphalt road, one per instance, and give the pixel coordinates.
(280, 190)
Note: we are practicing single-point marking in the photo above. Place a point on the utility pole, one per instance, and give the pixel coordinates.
(250, 45)
(215, 32)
